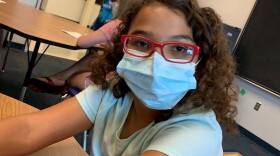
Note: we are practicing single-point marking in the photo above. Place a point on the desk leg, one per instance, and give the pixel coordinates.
(1, 37)
(31, 65)
(7, 51)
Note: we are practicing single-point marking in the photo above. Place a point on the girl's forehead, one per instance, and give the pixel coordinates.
(161, 21)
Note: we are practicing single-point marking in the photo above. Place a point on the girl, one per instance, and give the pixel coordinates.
(174, 74)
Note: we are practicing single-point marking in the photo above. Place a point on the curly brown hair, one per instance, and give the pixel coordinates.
(215, 72)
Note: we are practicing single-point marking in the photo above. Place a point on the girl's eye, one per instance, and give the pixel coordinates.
(139, 44)
(181, 49)
(142, 43)
(178, 51)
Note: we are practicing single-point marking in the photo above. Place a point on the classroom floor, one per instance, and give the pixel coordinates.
(11, 81)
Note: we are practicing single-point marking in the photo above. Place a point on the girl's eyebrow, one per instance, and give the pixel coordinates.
(141, 33)
(175, 37)
(186, 37)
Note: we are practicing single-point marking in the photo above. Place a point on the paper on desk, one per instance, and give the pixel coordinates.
(72, 33)
(2, 1)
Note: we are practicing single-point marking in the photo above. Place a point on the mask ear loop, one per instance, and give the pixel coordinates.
(197, 62)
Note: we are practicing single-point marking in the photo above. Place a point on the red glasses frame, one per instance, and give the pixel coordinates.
(160, 45)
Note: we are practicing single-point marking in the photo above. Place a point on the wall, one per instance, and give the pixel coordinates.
(232, 12)
(262, 123)
(64, 8)
(90, 13)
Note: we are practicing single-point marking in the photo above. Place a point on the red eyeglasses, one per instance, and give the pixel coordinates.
(176, 52)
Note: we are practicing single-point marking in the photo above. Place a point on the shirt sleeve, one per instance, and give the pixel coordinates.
(90, 100)
(188, 138)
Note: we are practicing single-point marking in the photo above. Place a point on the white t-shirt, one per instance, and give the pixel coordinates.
(196, 133)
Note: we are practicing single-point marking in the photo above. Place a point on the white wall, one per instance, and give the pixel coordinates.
(68, 9)
(263, 123)
(232, 12)
(90, 12)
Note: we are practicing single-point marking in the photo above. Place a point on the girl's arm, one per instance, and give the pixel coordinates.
(102, 35)
(28, 133)
(91, 39)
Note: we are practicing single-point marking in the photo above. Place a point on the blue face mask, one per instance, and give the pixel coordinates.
(157, 83)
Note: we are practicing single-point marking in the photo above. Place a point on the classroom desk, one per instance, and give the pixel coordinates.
(40, 26)
(10, 107)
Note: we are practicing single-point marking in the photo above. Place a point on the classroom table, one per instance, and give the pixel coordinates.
(10, 107)
(39, 26)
